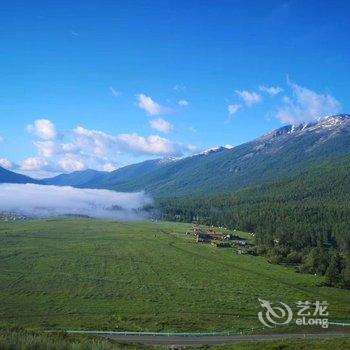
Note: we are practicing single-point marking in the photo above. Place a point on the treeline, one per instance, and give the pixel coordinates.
(304, 220)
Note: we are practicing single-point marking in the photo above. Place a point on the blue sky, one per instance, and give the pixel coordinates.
(101, 84)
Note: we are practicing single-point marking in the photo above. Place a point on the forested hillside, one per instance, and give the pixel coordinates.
(303, 220)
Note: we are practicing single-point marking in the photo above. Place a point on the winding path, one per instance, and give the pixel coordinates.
(208, 340)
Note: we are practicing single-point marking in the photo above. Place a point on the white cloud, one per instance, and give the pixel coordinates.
(114, 92)
(5, 163)
(183, 103)
(286, 99)
(92, 142)
(84, 148)
(49, 201)
(151, 107)
(33, 163)
(105, 148)
(193, 149)
(272, 91)
(44, 129)
(109, 167)
(232, 109)
(161, 125)
(1, 139)
(69, 147)
(249, 98)
(46, 149)
(306, 105)
(151, 145)
(71, 162)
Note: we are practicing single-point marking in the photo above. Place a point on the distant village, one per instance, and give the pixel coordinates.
(222, 240)
(9, 216)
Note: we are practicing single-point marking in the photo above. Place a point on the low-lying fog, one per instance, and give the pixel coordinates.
(44, 201)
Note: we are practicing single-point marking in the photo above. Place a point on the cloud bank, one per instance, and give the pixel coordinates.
(306, 105)
(299, 104)
(83, 148)
(51, 201)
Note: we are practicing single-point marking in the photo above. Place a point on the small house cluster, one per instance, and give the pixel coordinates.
(217, 239)
(10, 216)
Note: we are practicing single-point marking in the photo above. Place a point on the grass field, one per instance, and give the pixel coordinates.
(328, 344)
(20, 339)
(95, 274)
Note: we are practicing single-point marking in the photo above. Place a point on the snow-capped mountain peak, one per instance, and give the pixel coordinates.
(327, 122)
(167, 160)
(213, 150)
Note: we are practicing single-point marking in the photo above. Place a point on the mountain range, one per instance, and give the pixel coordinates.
(281, 153)
(7, 176)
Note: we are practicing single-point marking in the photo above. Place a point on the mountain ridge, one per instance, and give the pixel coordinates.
(274, 155)
(8, 176)
(279, 153)
(76, 178)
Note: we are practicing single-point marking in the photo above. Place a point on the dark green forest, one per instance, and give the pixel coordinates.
(303, 220)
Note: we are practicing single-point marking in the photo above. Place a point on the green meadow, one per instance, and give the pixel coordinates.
(139, 276)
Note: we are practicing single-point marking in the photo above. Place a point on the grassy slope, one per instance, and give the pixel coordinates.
(302, 344)
(138, 276)
(13, 339)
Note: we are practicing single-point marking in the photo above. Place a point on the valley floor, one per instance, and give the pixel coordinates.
(139, 276)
